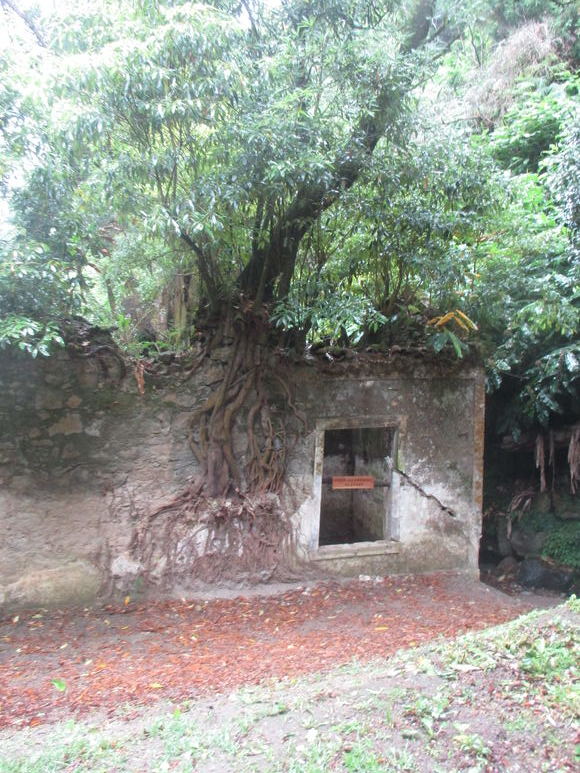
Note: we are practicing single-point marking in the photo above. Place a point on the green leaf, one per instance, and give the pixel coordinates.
(455, 341)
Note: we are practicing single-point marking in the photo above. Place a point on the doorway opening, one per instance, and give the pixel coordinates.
(355, 457)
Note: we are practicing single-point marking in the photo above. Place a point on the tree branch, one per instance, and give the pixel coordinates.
(248, 10)
(10, 5)
(204, 269)
(276, 261)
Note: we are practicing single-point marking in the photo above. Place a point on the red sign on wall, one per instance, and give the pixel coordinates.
(353, 482)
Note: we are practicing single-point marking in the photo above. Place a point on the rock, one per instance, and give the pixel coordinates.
(7, 453)
(212, 375)
(504, 547)
(48, 400)
(69, 585)
(70, 451)
(527, 543)
(53, 378)
(94, 428)
(507, 567)
(68, 425)
(567, 507)
(569, 515)
(86, 373)
(126, 572)
(124, 566)
(543, 502)
(221, 354)
(536, 573)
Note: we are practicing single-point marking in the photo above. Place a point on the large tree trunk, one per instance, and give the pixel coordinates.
(241, 409)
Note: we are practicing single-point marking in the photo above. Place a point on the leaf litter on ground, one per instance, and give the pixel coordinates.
(390, 714)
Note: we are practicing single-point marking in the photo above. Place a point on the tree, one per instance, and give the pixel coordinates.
(521, 98)
(530, 286)
(283, 171)
(225, 130)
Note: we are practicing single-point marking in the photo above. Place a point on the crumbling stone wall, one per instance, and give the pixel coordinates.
(84, 456)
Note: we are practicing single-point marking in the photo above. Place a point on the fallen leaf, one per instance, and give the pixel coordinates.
(464, 667)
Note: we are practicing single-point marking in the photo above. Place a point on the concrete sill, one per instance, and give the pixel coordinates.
(356, 549)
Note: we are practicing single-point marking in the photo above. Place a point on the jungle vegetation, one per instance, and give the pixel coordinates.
(299, 172)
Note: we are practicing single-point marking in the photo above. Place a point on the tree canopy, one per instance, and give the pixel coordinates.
(372, 173)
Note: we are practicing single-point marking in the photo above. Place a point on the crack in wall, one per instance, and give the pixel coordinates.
(424, 493)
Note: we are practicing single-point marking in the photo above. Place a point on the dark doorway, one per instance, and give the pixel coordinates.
(357, 515)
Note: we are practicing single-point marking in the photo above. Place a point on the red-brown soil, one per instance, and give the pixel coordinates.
(70, 662)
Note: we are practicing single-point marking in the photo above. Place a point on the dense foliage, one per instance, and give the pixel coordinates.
(362, 172)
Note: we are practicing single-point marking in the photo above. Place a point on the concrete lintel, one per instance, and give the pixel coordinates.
(360, 422)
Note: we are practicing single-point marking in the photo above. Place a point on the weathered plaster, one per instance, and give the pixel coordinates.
(83, 456)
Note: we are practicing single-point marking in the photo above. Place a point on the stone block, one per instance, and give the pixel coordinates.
(507, 567)
(48, 399)
(72, 584)
(535, 573)
(527, 543)
(68, 425)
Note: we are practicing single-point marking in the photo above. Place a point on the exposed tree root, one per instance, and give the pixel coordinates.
(567, 437)
(197, 539)
(247, 386)
(574, 459)
(228, 523)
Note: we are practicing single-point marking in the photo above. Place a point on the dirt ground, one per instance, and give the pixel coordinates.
(67, 663)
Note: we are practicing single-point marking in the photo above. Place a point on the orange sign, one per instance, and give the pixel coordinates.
(353, 482)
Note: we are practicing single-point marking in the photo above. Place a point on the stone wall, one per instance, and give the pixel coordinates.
(84, 456)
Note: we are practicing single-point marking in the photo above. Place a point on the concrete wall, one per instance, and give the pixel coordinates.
(438, 418)
(84, 456)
